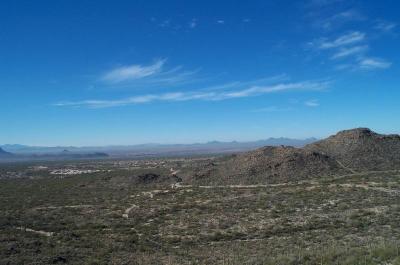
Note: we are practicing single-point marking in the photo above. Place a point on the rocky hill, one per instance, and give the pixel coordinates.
(346, 152)
(361, 149)
(268, 165)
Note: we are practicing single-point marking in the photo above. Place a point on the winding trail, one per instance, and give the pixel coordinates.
(39, 232)
(63, 206)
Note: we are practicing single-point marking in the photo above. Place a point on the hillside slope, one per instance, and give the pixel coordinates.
(268, 165)
(361, 149)
(349, 151)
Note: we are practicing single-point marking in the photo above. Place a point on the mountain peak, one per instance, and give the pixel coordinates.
(357, 132)
(361, 149)
(348, 151)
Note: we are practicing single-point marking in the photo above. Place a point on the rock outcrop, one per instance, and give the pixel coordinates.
(361, 149)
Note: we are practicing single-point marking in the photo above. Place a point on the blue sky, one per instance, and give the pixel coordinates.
(128, 72)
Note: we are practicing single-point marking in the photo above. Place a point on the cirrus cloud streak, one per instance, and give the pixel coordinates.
(133, 72)
(200, 95)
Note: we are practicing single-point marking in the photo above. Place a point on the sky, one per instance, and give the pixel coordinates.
(87, 73)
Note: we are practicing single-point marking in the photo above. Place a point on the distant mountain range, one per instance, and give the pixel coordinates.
(214, 147)
(64, 155)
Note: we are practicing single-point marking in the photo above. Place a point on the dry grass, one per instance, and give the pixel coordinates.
(108, 218)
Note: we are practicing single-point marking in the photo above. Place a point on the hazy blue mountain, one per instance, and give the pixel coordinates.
(4, 153)
(154, 149)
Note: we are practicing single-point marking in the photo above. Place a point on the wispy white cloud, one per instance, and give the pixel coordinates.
(259, 90)
(238, 85)
(312, 103)
(365, 64)
(132, 72)
(173, 76)
(349, 51)
(202, 95)
(385, 26)
(347, 39)
(340, 18)
(148, 75)
(353, 47)
(374, 63)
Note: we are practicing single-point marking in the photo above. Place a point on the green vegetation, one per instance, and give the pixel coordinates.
(114, 217)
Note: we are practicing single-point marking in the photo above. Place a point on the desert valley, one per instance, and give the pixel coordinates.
(333, 201)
